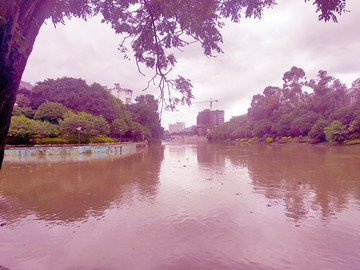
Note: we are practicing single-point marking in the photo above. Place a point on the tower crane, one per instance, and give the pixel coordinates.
(211, 103)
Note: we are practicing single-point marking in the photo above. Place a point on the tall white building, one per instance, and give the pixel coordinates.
(125, 95)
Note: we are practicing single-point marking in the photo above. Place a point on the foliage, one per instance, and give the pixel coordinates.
(269, 139)
(119, 127)
(352, 142)
(90, 125)
(303, 123)
(21, 127)
(50, 111)
(101, 139)
(283, 126)
(139, 132)
(289, 111)
(317, 130)
(57, 140)
(344, 114)
(262, 128)
(46, 129)
(145, 112)
(336, 132)
(76, 95)
(354, 126)
(236, 128)
(26, 111)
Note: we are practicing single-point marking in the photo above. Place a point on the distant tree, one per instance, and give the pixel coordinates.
(21, 127)
(294, 80)
(221, 132)
(262, 128)
(51, 112)
(283, 126)
(76, 95)
(23, 97)
(329, 93)
(344, 114)
(26, 111)
(263, 106)
(354, 126)
(255, 112)
(145, 112)
(336, 132)
(304, 123)
(139, 132)
(317, 130)
(46, 129)
(119, 127)
(90, 125)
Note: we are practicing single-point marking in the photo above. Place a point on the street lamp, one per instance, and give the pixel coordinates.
(78, 134)
(120, 134)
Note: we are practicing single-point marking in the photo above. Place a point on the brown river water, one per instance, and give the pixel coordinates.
(183, 206)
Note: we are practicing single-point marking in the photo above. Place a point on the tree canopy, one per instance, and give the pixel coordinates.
(145, 112)
(50, 111)
(291, 111)
(76, 95)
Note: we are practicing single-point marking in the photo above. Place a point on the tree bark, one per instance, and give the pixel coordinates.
(20, 22)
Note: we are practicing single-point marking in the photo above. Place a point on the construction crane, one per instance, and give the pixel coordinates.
(211, 103)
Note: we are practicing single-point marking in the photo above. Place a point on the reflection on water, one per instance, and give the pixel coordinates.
(70, 191)
(185, 207)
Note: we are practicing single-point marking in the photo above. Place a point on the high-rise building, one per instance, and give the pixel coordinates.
(203, 118)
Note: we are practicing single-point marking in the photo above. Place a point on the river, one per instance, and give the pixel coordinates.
(185, 206)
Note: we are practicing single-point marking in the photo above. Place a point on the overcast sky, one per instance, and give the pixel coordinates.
(257, 54)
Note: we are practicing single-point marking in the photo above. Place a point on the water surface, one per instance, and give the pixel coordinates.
(183, 206)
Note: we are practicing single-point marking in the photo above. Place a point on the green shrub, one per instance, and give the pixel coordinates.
(336, 132)
(352, 142)
(269, 140)
(317, 130)
(101, 139)
(53, 141)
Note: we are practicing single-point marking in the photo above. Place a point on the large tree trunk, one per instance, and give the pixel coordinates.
(20, 22)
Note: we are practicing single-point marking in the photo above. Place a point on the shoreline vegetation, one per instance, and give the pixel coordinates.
(299, 140)
(68, 111)
(318, 110)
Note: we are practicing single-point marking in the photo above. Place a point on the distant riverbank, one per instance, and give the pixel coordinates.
(188, 139)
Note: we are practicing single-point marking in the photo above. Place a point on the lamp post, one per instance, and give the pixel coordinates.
(78, 134)
(120, 134)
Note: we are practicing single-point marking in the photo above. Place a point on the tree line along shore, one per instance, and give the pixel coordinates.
(68, 111)
(318, 110)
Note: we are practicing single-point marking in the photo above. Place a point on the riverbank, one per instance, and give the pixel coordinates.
(16, 152)
(298, 140)
(187, 139)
